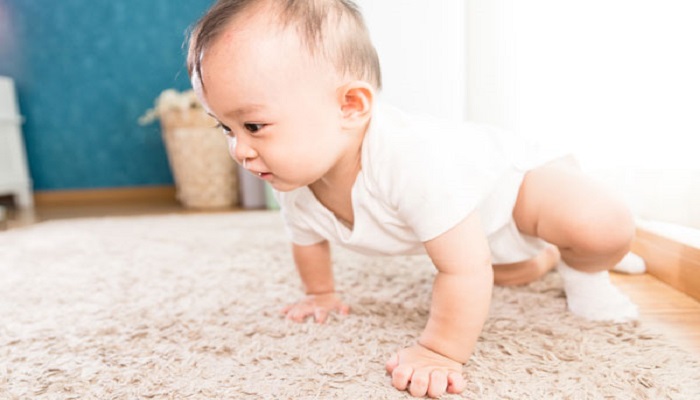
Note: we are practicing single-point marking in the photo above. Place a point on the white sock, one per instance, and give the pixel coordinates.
(631, 264)
(593, 296)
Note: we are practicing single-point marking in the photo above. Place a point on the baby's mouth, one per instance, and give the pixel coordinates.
(264, 175)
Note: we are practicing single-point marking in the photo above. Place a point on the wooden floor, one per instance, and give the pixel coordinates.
(662, 308)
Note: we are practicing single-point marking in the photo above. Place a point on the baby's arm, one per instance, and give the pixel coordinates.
(460, 305)
(316, 272)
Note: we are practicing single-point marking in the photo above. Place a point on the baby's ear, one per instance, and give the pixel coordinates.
(356, 99)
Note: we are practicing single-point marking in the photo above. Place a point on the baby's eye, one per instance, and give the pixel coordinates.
(253, 128)
(226, 129)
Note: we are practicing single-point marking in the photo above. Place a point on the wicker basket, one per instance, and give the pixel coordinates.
(204, 172)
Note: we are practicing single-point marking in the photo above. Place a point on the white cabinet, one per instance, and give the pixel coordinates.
(14, 176)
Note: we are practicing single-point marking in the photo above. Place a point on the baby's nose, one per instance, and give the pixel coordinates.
(241, 151)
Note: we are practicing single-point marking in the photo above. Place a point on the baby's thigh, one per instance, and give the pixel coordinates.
(563, 206)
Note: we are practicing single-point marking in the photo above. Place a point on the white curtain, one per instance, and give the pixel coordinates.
(616, 81)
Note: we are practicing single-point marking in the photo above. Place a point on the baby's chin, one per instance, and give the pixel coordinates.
(290, 184)
(284, 187)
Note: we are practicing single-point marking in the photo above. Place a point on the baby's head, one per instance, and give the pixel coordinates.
(291, 82)
(331, 30)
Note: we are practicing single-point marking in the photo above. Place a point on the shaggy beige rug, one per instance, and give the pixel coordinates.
(186, 307)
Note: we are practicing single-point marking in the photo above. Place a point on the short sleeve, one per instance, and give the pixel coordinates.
(298, 231)
(437, 173)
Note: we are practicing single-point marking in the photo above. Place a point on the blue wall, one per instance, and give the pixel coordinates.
(85, 71)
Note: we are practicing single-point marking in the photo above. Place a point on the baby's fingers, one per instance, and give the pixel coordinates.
(298, 312)
(320, 315)
(420, 383)
(401, 376)
(286, 309)
(438, 384)
(455, 383)
(344, 309)
(317, 307)
(392, 363)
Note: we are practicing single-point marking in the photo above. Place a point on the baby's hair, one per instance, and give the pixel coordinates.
(333, 29)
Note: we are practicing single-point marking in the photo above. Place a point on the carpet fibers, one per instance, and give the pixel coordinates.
(186, 307)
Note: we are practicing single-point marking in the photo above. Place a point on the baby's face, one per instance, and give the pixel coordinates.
(278, 106)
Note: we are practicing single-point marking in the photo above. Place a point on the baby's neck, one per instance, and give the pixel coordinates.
(344, 173)
(334, 191)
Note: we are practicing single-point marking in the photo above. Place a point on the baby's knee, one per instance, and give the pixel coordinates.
(619, 232)
(606, 230)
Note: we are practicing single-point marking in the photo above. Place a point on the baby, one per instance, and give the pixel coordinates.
(294, 86)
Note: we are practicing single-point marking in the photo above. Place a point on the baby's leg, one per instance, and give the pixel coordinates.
(592, 229)
(522, 273)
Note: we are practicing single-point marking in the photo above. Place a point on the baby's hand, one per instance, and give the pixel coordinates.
(317, 306)
(422, 371)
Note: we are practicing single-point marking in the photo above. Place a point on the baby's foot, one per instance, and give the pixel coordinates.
(631, 264)
(593, 296)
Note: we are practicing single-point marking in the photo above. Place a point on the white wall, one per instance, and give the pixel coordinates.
(616, 81)
(491, 73)
(618, 76)
(422, 50)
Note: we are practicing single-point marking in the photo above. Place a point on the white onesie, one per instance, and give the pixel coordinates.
(420, 177)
